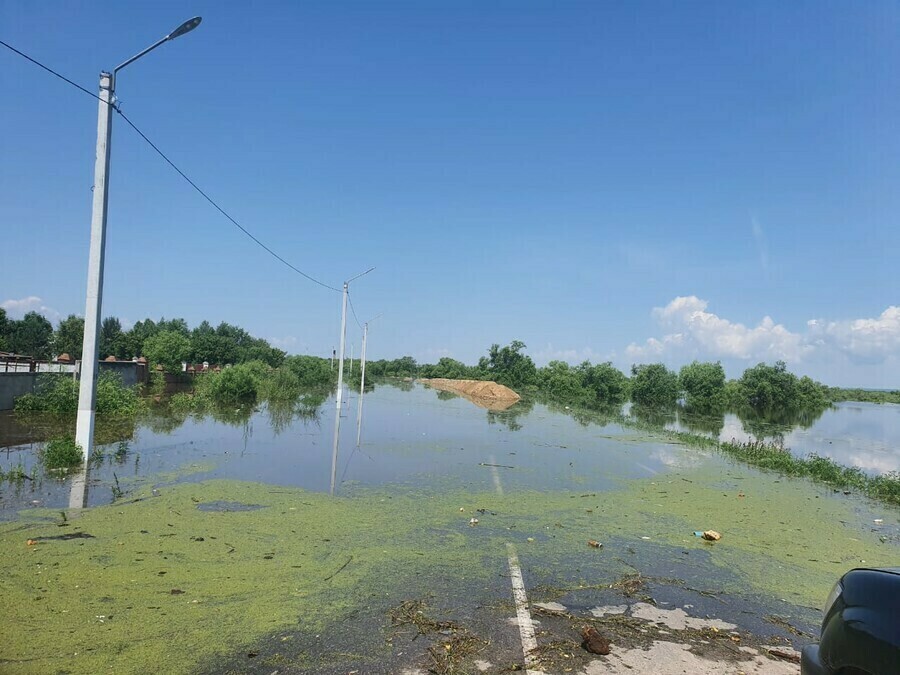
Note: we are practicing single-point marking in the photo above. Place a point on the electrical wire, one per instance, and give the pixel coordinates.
(353, 310)
(49, 70)
(175, 167)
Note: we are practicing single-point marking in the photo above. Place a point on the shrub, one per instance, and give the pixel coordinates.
(61, 453)
(58, 394)
(653, 385)
(703, 385)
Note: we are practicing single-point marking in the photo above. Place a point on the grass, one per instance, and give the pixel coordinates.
(61, 453)
(775, 457)
(15, 475)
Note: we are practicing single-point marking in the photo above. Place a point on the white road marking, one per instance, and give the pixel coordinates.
(523, 615)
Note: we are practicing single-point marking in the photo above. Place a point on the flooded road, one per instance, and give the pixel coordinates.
(456, 541)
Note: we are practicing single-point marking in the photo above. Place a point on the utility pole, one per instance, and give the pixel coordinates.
(87, 389)
(362, 383)
(340, 390)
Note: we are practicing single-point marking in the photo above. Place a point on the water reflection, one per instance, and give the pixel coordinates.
(509, 415)
(419, 436)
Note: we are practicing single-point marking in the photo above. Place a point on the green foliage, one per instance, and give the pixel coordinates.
(561, 382)
(772, 388)
(865, 395)
(238, 384)
(4, 330)
(312, 371)
(774, 457)
(58, 394)
(599, 385)
(606, 384)
(282, 386)
(703, 385)
(69, 337)
(61, 453)
(653, 386)
(405, 366)
(29, 336)
(448, 368)
(111, 341)
(509, 365)
(169, 349)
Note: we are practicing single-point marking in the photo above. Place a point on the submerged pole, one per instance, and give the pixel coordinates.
(362, 384)
(340, 389)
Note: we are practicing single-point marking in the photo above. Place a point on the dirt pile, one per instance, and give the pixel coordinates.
(476, 390)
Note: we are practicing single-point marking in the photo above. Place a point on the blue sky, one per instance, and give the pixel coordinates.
(629, 181)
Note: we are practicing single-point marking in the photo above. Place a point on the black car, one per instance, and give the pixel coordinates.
(861, 629)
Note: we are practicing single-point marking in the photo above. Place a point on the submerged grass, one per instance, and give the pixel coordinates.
(62, 453)
(771, 456)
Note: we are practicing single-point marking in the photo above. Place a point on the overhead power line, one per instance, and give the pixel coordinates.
(175, 167)
(353, 310)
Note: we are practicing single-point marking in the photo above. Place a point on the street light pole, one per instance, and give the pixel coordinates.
(340, 390)
(87, 391)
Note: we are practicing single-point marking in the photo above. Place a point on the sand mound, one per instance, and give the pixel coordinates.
(476, 389)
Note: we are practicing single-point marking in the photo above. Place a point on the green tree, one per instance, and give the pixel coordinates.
(653, 385)
(560, 381)
(31, 336)
(69, 337)
(135, 338)
(509, 365)
(4, 330)
(446, 367)
(703, 385)
(168, 349)
(112, 339)
(605, 384)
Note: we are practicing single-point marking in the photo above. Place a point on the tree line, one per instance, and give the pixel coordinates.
(698, 386)
(164, 342)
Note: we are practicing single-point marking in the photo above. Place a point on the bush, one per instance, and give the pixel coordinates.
(283, 385)
(61, 453)
(238, 384)
(653, 386)
(606, 384)
(312, 371)
(775, 388)
(58, 394)
(703, 385)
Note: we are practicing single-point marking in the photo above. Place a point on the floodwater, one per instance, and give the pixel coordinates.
(412, 435)
(215, 535)
(864, 435)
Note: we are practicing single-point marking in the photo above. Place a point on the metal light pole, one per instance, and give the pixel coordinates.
(362, 381)
(87, 392)
(340, 390)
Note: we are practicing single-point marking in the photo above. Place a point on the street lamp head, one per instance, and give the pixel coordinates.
(186, 27)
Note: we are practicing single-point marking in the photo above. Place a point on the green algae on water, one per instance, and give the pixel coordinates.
(168, 586)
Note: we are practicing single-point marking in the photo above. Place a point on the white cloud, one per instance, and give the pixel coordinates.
(716, 337)
(694, 331)
(19, 308)
(862, 339)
